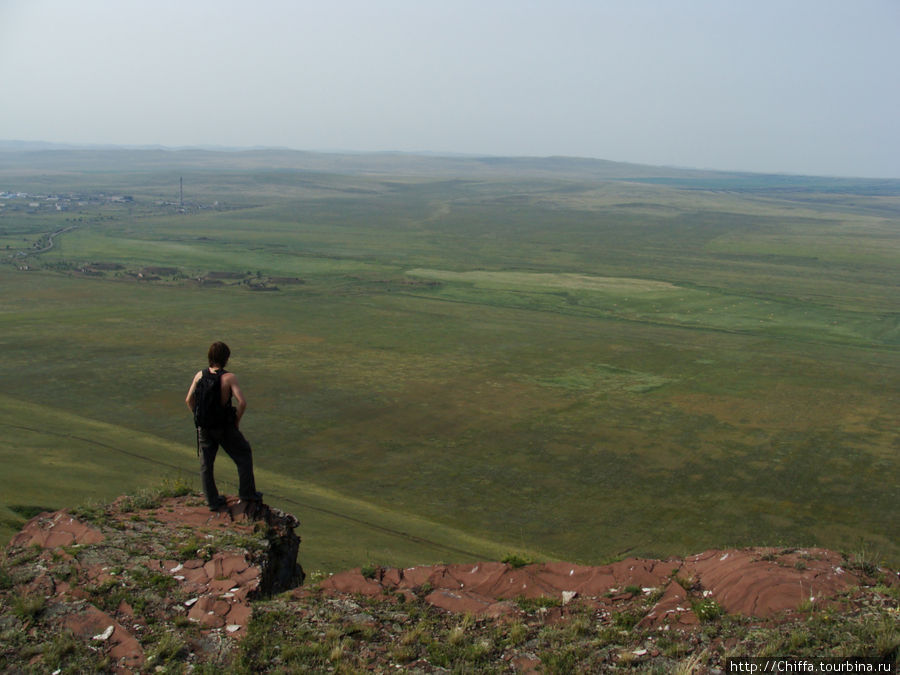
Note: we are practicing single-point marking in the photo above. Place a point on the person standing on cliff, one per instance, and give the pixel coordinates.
(218, 421)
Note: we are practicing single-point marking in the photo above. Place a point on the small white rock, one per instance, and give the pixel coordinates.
(567, 596)
(188, 603)
(105, 635)
(232, 627)
(639, 652)
(177, 568)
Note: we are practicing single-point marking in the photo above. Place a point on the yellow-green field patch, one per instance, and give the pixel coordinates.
(581, 282)
(602, 378)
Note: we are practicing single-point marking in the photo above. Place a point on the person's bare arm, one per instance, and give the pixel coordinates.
(189, 399)
(230, 388)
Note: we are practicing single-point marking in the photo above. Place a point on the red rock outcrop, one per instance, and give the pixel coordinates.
(55, 530)
(754, 582)
(108, 634)
(210, 564)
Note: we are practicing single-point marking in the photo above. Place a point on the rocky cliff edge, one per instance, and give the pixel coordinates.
(154, 582)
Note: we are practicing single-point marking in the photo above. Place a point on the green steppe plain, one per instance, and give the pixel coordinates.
(477, 363)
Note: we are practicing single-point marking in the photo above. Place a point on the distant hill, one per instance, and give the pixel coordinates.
(50, 156)
(29, 155)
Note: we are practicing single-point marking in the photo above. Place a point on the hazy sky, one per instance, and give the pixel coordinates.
(801, 86)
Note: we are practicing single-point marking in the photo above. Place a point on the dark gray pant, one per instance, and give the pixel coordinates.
(237, 447)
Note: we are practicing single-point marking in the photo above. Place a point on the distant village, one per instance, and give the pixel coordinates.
(72, 201)
(30, 202)
(23, 256)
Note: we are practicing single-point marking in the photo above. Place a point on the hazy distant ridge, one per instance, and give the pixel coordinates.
(58, 157)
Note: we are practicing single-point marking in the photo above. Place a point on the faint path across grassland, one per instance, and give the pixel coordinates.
(48, 246)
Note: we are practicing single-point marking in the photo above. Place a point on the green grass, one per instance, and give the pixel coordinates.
(568, 368)
(81, 462)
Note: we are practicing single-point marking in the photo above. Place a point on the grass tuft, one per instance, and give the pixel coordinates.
(516, 560)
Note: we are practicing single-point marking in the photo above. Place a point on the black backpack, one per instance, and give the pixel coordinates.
(209, 413)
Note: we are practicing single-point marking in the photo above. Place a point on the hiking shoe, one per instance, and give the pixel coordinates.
(219, 504)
